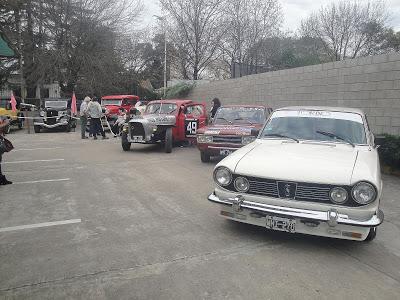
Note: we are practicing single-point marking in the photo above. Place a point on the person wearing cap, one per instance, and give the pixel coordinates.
(83, 116)
(3, 124)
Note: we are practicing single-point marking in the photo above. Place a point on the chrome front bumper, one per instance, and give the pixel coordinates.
(64, 123)
(332, 217)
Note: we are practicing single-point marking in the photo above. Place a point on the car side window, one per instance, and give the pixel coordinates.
(194, 110)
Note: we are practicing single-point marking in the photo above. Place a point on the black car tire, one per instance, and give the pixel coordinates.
(8, 129)
(204, 157)
(68, 128)
(371, 235)
(168, 140)
(21, 121)
(36, 128)
(126, 146)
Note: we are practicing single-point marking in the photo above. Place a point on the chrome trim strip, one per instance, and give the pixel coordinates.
(50, 126)
(332, 217)
(222, 148)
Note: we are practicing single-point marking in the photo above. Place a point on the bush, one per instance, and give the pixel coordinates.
(389, 151)
(180, 90)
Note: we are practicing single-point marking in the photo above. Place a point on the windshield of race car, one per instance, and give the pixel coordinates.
(117, 102)
(56, 104)
(316, 126)
(240, 115)
(158, 108)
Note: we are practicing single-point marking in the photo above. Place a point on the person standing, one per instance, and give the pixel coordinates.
(215, 105)
(83, 116)
(3, 125)
(95, 112)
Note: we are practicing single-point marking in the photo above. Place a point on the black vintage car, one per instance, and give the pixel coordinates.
(55, 113)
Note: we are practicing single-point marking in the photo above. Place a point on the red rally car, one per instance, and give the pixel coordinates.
(233, 127)
(113, 103)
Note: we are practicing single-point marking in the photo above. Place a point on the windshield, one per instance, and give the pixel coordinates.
(236, 115)
(157, 108)
(111, 102)
(316, 125)
(56, 104)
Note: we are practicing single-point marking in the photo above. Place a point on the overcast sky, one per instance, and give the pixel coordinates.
(294, 11)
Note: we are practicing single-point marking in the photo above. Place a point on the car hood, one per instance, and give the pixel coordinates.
(236, 129)
(287, 160)
(112, 109)
(155, 119)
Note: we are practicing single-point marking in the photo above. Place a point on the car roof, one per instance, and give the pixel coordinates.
(110, 97)
(245, 105)
(176, 101)
(328, 108)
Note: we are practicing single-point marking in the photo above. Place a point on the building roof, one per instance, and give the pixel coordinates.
(6, 50)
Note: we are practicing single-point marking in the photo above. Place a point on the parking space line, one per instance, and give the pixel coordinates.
(34, 149)
(31, 161)
(45, 180)
(39, 225)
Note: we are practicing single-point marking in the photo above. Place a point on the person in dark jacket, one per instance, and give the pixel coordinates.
(215, 105)
(3, 125)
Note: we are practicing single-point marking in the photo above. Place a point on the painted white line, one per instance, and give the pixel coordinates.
(39, 225)
(31, 161)
(45, 180)
(34, 149)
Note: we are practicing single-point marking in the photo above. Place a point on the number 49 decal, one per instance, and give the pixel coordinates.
(191, 127)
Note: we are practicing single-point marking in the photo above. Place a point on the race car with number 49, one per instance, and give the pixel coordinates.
(164, 122)
(232, 128)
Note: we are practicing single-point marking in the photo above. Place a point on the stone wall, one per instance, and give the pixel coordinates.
(370, 83)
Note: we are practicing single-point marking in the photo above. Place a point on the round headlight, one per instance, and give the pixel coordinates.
(241, 184)
(248, 139)
(364, 193)
(222, 176)
(338, 195)
(41, 113)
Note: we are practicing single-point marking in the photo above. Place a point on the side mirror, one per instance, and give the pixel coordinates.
(255, 132)
(379, 140)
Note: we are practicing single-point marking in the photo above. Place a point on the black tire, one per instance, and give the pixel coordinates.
(371, 235)
(126, 146)
(21, 121)
(36, 128)
(68, 128)
(8, 129)
(204, 157)
(168, 140)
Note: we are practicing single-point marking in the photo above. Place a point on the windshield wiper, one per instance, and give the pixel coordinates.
(282, 136)
(335, 136)
(222, 118)
(239, 119)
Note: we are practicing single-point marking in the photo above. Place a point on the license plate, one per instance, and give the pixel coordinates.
(137, 138)
(281, 224)
(225, 152)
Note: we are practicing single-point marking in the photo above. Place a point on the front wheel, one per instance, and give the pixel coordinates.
(68, 128)
(371, 234)
(126, 146)
(36, 128)
(168, 140)
(20, 121)
(204, 157)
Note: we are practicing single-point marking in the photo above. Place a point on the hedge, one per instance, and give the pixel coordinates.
(178, 91)
(389, 151)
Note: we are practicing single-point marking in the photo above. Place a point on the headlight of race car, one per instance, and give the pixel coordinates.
(42, 113)
(363, 193)
(201, 138)
(338, 195)
(248, 139)
(222, 176)
(241, 184)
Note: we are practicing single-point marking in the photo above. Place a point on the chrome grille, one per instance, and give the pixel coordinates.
(137, 130)
(263, 188)
(312, 193)
(227, 139)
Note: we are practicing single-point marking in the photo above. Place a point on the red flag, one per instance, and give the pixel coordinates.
(13, 103)
(74, 111)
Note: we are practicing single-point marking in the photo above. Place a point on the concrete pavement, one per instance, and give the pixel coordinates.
(146, 231)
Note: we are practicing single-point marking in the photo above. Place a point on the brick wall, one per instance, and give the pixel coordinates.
(370, 83)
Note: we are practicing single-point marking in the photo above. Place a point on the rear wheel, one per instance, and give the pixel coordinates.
(36, 128)
(204, 157)
(168, 140)
(371, 234)
(126, 146)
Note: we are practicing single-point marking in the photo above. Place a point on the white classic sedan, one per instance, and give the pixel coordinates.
(312, 170)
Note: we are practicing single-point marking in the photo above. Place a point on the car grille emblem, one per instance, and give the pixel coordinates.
(287, 190)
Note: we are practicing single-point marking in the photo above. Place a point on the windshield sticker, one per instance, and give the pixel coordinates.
(322, 114)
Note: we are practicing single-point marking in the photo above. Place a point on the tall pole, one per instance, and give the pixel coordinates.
(165, 58)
